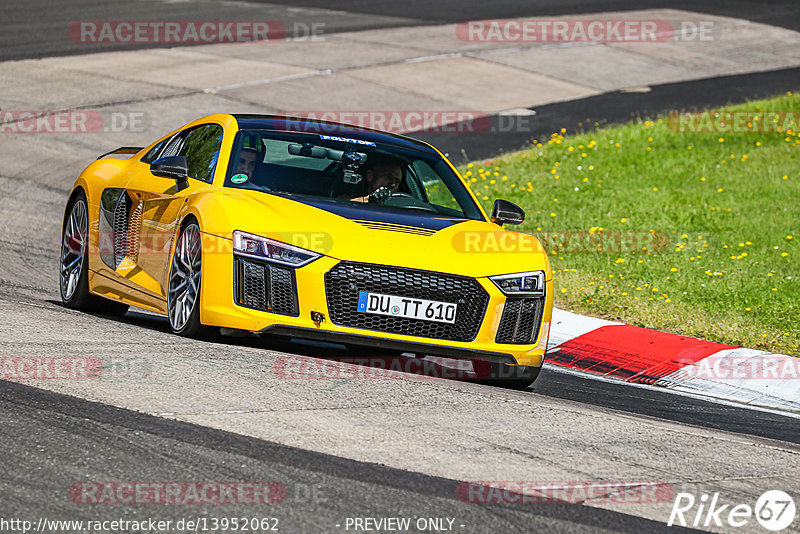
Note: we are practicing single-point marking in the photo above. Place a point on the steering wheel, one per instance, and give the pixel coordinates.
(414, 205)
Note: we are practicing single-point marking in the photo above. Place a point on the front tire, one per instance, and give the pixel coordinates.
(185, 276)
(74, 264)
(510, 376)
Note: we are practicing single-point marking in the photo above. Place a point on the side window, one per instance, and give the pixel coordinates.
(201, 148)
(151, 155)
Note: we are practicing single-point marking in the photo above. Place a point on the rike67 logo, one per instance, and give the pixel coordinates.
(774, 510)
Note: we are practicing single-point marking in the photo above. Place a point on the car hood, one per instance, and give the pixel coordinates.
(398, 237)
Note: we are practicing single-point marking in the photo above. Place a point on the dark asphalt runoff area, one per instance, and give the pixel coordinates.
(39, 28)
(51, 442)
(616, 107)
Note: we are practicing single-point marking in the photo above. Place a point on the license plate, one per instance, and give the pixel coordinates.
(427, 310)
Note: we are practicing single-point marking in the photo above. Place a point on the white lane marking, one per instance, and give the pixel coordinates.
(691, 394)
(709, 376)
(567, 325)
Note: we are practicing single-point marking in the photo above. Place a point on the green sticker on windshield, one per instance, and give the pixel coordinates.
(239, 178)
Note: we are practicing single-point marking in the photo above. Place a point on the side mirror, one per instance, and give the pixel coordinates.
(505, 212)
(175, 167)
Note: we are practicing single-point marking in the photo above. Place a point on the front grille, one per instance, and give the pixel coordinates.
(265, 287)
(520, 321)
(344, 281)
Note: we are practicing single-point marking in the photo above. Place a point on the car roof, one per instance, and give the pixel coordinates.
(300, 125)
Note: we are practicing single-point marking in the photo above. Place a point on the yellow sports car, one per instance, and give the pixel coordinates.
(311, 230)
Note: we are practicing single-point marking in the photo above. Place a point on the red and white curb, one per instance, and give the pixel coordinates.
(683, 364)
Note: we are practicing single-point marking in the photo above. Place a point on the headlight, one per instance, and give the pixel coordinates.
(271, 250)
(530, 284)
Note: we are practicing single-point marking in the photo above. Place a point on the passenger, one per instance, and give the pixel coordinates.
(382, 179)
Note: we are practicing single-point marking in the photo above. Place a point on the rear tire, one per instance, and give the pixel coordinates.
(74, 264)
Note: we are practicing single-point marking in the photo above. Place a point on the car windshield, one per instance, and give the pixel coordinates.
(348, 170)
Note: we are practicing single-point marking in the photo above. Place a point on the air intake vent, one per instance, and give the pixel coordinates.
(120, 230)
(375, 225)
(265, 287)
(519, 324)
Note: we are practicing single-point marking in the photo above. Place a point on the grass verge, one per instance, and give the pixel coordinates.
(692, 233)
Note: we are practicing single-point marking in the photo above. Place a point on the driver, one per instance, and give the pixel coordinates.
(382, 179)
(247, 161)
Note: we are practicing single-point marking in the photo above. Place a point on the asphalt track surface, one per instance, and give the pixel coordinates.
(50, 440)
